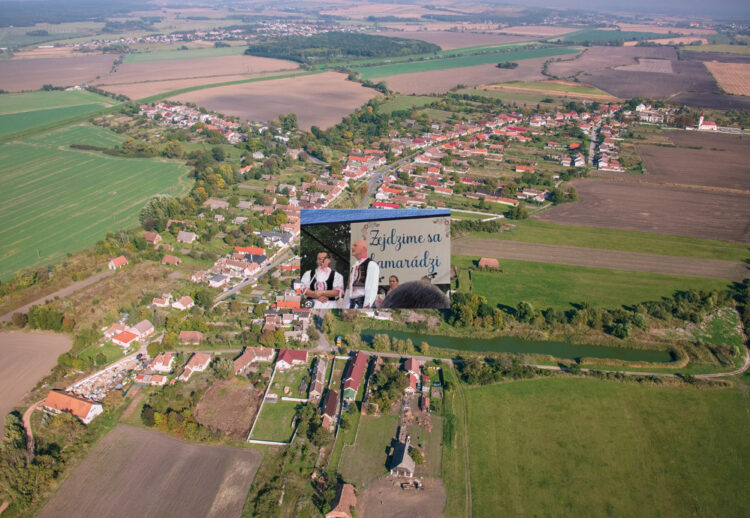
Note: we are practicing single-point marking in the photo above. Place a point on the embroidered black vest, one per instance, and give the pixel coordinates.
(329, 282)
(361, 279)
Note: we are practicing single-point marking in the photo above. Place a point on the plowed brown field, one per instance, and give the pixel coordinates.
(318, 100)
(24, 359)
(135, 472)
(18, 75)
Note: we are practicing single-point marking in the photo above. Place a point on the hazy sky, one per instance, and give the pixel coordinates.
(722, 8)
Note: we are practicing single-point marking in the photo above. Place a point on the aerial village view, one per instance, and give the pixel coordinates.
(170, 349)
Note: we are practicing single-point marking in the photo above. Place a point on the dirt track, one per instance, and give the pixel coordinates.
(598, 258)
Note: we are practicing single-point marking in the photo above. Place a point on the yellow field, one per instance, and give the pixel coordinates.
(733, 78)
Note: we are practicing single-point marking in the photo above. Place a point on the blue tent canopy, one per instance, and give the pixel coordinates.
(329, 216)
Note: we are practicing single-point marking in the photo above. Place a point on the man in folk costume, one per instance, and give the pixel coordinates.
(363, 278)
(323, 285)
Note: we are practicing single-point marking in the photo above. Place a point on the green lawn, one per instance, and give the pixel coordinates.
(275, 421)
(112, 352)
(54, 199)
(547, 285)
(165, 55)
(291, 379)
(533, 231)
(598, 36)
(579, 447)
(454, 462)
(404, 102)
(364, 462)
(462, 61)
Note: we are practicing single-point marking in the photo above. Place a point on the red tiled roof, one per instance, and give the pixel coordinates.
(119, 262)
(63, 402)
(250, 250)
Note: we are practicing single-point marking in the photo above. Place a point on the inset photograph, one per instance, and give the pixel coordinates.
(375, 258)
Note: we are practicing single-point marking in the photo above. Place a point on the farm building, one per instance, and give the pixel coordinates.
(118, 262)
(345, 500)
(142, 329)
(402, 464)
(250, 356)
(171, 260)
(183, 303)
(317, 384)
(162, 302)
(186, 237)
(329, 408)
(163, 363)
(124, 339)
(114, 330)
(79, 407)
(152, 238)
(191, 337)
(197, 363)
(353, 375)
(488, 262)
(151, 379)
(288, 358)
(217, 281)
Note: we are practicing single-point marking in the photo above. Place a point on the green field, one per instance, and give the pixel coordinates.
(404, 102)
(533, 231)
(165, 55)
(599, 36)
(547, 285)
(54, 199)
(579, 447)
(23, 112)
(462, 61)
(275, 421)
(734, 49)
(32, 101)
(364, 462)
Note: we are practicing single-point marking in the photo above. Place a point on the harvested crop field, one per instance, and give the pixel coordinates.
(565, 89)
(318, 99)
(440, 81)
(599, 58)
(599, 258)
(662, 66)
(644, 207)
(721, 161)
(663, 30)
(733, 78)
(31, 74)
(386, 498)
(229, 406)
(216, 68)
(541, 31)
(454, 40)
(135, 472)
(25, 358)
(685, 40)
